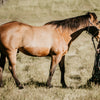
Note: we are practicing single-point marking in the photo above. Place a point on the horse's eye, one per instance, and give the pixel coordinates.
(98, 23)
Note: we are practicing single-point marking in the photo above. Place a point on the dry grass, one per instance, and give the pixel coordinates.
(33, 72)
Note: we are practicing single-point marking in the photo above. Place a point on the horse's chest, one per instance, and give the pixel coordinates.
(60, 47)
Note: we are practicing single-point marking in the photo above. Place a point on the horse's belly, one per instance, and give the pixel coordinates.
(35, 51)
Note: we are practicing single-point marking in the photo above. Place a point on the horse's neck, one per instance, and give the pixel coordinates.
(76, 32)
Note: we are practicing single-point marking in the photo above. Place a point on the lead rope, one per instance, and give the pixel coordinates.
(94, 44)
(95, 61)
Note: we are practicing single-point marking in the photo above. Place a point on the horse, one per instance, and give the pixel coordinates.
(52, 39)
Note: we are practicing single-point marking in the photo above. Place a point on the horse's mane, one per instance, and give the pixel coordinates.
(74, 22)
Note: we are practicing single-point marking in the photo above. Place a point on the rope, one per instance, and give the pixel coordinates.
(94, 44)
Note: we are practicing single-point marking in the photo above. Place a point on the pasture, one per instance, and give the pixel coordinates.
(33, 71)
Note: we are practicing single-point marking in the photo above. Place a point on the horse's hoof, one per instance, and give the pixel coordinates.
(49, 86)
(64, 86)
(20, 86)
(1, 85)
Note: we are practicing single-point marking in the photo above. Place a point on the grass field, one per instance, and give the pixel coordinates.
(33, 72)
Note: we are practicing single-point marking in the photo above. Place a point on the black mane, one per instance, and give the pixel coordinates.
(74, 22)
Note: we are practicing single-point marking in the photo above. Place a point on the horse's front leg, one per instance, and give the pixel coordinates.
(12, 64)
(55, 59)
(62, 69)
(2, 64)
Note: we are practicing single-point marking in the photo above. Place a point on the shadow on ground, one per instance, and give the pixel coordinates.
(41, 84)
(36, 83)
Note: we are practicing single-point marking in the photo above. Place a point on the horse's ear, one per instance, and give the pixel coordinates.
(92, 15)
(89, 14)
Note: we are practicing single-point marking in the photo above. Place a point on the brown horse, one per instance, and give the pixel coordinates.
(53, 39)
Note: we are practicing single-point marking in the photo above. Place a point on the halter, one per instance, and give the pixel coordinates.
(92, 24)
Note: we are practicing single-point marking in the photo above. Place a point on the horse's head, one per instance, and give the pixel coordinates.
(93, 25)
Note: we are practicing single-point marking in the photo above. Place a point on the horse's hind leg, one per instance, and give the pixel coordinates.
(12, 64)
(2, 64)
(62, 69)
(54, 61)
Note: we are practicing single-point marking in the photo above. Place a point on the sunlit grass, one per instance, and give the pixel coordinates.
(33, 72)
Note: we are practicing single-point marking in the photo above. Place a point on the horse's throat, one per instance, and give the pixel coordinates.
(75, 34)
